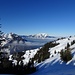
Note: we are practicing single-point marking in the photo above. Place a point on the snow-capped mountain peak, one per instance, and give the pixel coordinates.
(8, 35)
(41, 35)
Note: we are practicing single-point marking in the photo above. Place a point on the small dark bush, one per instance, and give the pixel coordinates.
(66, 55)
(73, 42)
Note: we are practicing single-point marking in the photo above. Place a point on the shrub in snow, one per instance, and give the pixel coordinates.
(58, 39)
(55, 52)
(73, 42)
(68, 38)
(62, 38)
(66, 55)
(68, 45)
(52, 55)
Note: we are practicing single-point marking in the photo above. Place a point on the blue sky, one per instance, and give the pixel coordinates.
(55, 17)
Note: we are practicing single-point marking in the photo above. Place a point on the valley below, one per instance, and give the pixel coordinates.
(30, 44)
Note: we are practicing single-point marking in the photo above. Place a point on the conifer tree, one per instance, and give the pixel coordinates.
(0, 37)
(66, 55)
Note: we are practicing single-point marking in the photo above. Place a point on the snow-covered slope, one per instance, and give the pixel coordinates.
(29, 54)
(54, 65)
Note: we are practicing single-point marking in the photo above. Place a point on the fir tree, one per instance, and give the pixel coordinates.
(66, 55)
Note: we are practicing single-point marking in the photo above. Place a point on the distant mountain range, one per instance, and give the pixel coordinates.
(39, 36)
(12, 37)
(25, 42)
(15, 38)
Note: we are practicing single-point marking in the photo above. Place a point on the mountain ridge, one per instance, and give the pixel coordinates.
(39, 36)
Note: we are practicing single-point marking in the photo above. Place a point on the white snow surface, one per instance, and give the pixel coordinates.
(29, 54)
(54, 65)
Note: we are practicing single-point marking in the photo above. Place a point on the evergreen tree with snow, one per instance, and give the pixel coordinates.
(66, 55)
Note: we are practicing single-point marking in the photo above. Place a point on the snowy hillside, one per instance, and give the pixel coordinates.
(54, 65)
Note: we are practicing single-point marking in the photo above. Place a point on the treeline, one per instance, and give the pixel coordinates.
(7, 66)
(43, 53)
